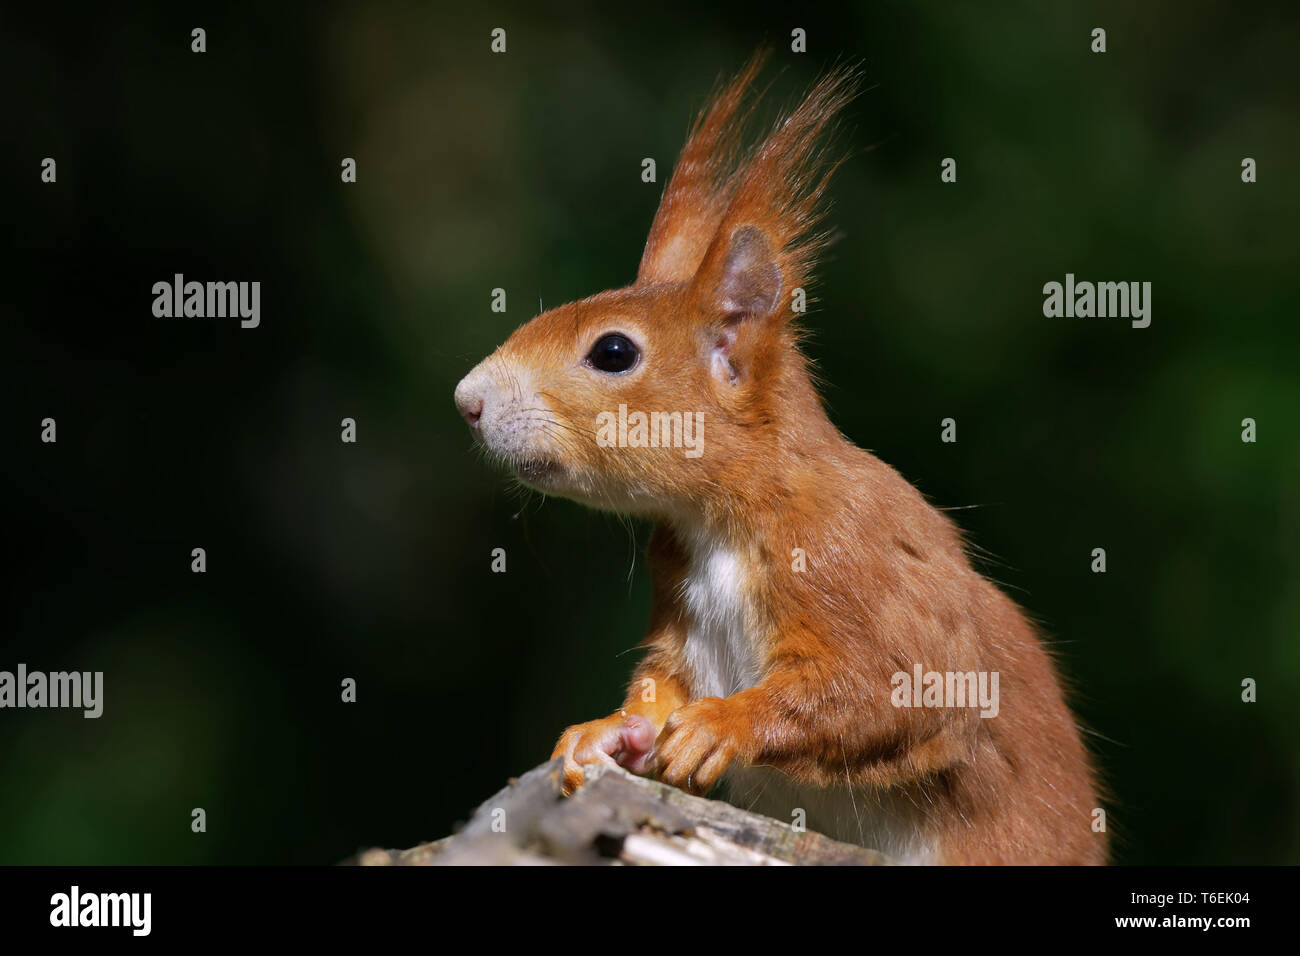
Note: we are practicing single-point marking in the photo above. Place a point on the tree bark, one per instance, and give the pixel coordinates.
(616, 818)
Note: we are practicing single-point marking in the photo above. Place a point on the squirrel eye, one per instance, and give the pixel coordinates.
(613, 353)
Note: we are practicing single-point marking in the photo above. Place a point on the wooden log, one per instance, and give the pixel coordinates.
(616, 818)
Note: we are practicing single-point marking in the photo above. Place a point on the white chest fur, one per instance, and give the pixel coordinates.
(721, 649)
(723, 656)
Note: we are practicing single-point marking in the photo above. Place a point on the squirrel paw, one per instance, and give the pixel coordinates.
(698, 743)
(624, 741)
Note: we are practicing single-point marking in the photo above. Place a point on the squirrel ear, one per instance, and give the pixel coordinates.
(745, 286)
(750, 282)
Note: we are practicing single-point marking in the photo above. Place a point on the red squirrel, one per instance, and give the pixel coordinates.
(801, 586)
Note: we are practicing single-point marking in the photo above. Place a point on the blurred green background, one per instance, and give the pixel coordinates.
(475, 171)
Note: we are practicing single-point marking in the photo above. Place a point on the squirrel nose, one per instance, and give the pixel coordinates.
(471, 408)
(476, 389)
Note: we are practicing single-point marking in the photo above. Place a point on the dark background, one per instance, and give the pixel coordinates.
(371, 560)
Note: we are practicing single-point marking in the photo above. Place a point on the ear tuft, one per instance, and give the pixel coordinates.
(751, 279)
(696, 197)
(767, 241)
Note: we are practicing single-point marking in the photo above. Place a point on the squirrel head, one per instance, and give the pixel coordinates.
(682, 387)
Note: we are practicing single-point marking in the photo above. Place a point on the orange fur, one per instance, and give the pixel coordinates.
(781, 678)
